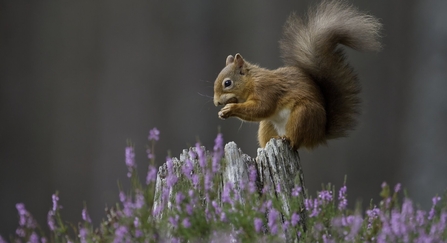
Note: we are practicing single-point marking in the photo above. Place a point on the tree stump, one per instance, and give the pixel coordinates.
(278, 171)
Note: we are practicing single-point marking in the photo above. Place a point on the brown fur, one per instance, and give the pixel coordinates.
(315, 96)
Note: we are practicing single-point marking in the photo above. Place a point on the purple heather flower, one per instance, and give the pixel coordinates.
(295, 219)
(2, 240)
(23, 214)
(130, 160)
(139, 200)
(327, 239)
(187, 168)
(384, 184)
(431, 214)
(397, 223)
(85, 216)
(179, 197)
(208, 181)
(208, 215)
(122, 196)
(192, 155)
(242, 184)
(130, 156)
(165, 194)
(171, 180)
(218, 143)
(51, 221)
(138, 233)
(186, 223)
(157, 210)
(189, 208)
(151, 174)
(218, 152)
(216, 164)
(442, 221)
(420, 217)
(216, 207)
(258, 224)
(120, 234)
(342, 200)
(150, 154)
(226, 193)
(272, 218)
(318, 228)
(325, 196)
(223, 217)
(252, 187)
(268, 204)
(435, 201)
(387, 202)
(20, 232)
(174, 221)
(191, 194)
(308, 204)
(286, 225)
(397, 188)
(201, 155)
(278, 188)
(128, 207)
(83, 234)
(252, 173)
(296, 191)
(316, 210)
(127, 210)
(154, 134)
(372, 215)
(55, 200)
(355, 223)
(407, 208)
(136, 222)
(195, 180)
(265, 189)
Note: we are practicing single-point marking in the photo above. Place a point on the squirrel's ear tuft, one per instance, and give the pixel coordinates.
(239, 61)
(230, 59)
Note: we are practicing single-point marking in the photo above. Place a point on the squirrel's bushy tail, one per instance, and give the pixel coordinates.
(311, 44)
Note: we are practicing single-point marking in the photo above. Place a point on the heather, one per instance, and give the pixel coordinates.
(198, 212)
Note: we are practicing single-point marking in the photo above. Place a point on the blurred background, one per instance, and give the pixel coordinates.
(80, 78)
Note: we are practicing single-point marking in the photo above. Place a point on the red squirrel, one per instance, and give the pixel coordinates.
(315, 96)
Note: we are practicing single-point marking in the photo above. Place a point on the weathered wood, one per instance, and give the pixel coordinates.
(278, 172)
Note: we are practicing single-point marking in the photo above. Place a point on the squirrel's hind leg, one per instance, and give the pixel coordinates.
(306, 126)
(266, 132)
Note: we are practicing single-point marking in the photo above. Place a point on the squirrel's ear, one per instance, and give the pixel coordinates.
(238, 60)
(230, 59)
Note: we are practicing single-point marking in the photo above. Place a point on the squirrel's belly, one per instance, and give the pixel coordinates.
(279, 121)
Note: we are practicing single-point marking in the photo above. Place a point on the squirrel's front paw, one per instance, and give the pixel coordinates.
(225, 112)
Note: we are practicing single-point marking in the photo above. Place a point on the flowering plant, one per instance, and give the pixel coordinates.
(198, 212)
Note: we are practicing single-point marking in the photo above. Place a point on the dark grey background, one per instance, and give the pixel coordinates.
(79, 78)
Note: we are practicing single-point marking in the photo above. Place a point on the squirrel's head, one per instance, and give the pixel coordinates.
(230, 85)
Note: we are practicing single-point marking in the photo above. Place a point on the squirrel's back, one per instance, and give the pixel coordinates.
(311, 45)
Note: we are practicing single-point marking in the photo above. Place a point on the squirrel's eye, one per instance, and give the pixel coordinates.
(227, 83)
